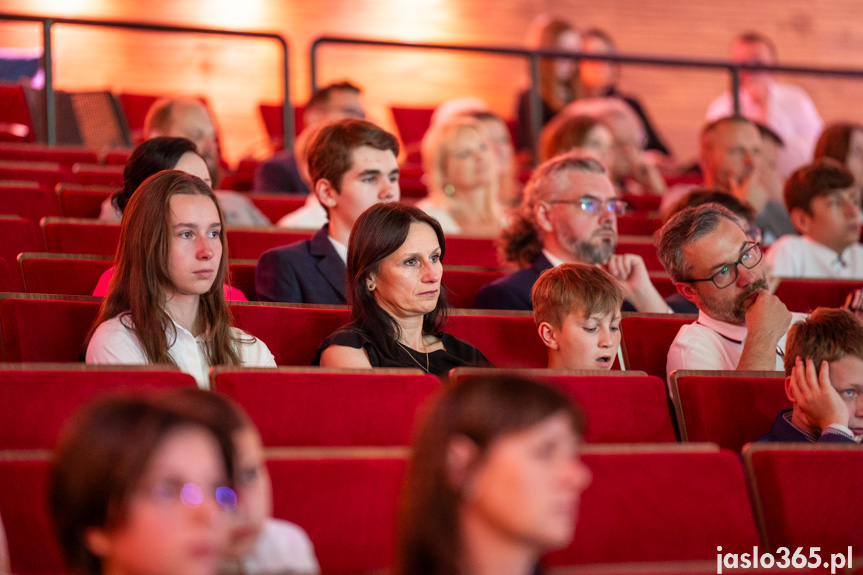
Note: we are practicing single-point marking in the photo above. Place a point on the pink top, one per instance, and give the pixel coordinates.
(231, 293)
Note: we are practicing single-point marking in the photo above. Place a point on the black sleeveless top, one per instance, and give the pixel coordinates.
(455, 352)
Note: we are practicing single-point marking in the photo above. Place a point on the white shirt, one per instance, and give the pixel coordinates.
(115, 342)
(790, 113)
(341, 249)
(711, 344)
(312, 216)
(282, 547)
(803, 257)
(446, 221)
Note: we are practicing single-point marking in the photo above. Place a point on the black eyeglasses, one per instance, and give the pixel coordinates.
(728, 274)
(595, 206)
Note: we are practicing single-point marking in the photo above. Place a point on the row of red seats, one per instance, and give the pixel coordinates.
(654, 505)
(303, 406)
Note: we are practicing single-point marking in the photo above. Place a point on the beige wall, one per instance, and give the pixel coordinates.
(235, 75)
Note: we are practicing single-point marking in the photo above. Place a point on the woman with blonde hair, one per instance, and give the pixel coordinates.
(165, 302)
(463, 177)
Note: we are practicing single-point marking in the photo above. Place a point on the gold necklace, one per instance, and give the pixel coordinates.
(426, 368)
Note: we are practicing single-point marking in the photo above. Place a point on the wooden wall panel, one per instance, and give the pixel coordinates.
(235, 75)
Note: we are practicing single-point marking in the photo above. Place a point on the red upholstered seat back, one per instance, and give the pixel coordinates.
(412, 124)
(618, 408)
(646, 340)
(47, 174)
(662, 505)
(809, 496)
(33, 546)
(18, 235)
(470, 251)
(243, 277)
(274, 206)
(347, 506)
(73, 276)
(325, 408)
(65, 155)
(507, 341)
(97, 175)
(37, 400)
(28, 201)
(72, 236)
(14, 110)
(728, 410)
(38, 330)
(78, 201)
(642, 246)
(638, 225)
(273, 117)
(462, 284)
(293, 334)
(250, 243)
(10, 278)
(806, 295)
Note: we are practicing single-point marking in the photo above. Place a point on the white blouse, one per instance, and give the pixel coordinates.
(115, 342)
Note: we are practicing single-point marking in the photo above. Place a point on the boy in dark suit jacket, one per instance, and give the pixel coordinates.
(353, 166)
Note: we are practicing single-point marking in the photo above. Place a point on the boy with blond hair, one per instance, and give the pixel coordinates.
(577, 311)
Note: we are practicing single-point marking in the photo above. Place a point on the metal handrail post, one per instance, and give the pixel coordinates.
(50, 101)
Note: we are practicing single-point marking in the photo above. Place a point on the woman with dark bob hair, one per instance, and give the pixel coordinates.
(398, 308)
(165, 302)
(139, 488)
(494, 480)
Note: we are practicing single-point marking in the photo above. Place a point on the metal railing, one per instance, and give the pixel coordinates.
(48, 22)
(534, 56)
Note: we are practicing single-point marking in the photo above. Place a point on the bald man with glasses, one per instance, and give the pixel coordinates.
(568, 214)
(712, 262)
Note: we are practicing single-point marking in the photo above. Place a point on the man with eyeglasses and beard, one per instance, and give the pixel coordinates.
(568, 214)
(741, 325)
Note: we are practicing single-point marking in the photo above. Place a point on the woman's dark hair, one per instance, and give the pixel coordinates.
(378, 232)
(482, 410)
(835, 141)
(149, 157)
(101, 456)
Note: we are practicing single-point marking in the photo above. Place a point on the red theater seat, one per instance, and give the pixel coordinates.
(470, 251)
(462, 283)
(28, 200)
(642, 246)
(646, 339)
(38, 398)
(313, 407)
(643, 204)
(64, 155)
(250, 243)
(727, 408)
(412, 124)
(619, 406)
(74, 236)
(293, 334)
(16, 124)
(18, 235)
(33, 546)
(808, 496)
(243, 277)
(347, 505)
(46, 174)
(274, 206)
(10, 279)
(637, 225)
(77, 201)
(506, 340)
(43, 330)
(62, 273)
(804, 295)
(669, 504)
(97, 175)
(273, 117)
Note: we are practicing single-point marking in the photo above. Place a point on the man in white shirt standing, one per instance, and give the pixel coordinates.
(824, 205)
(740, 324)
(786, 109)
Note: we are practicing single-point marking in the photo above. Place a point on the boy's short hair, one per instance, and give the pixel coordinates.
(826, 335)
(573, 287)
(818, 178)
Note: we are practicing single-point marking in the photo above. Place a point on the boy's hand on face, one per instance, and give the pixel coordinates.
(817, 399)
